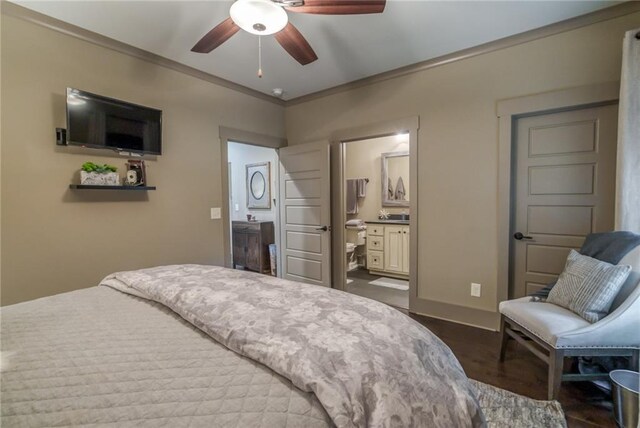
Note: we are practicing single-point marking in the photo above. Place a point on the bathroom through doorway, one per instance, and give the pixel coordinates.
(377, 191)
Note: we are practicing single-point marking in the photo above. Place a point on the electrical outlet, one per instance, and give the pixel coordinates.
(476, 289)
(237, 207)
(215, 214)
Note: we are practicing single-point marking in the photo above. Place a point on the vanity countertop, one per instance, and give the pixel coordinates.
(403, 222)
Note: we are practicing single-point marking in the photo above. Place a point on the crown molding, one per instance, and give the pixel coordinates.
(605, 14)
(16, 11)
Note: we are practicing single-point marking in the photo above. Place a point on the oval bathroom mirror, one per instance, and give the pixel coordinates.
(258, 185)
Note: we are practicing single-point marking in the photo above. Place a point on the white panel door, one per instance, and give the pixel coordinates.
(564, 189)
(305, 213)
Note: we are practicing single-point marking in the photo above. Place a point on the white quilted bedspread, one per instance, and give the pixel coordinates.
(100, 357)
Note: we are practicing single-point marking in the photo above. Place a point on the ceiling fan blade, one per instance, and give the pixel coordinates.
(214, 38)
(295, 43)
(340, 7)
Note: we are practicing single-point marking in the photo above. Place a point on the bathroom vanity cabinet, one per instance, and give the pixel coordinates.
(388, 249)
(251, 241)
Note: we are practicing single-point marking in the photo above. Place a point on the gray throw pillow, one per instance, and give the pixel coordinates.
(588, 286)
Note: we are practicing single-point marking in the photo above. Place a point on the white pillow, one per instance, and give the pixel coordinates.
(588, 286)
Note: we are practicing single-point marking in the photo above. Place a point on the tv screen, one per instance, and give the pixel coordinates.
(101, 122)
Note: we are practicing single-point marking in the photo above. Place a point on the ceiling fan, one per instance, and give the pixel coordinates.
(264, 17)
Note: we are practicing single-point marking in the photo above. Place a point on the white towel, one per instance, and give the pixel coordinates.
(361, 191)
(352, 196)
(400, 192)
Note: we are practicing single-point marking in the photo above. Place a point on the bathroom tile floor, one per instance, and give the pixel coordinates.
(359, 285)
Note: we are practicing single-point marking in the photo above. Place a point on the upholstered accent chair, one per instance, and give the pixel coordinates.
(553, 333)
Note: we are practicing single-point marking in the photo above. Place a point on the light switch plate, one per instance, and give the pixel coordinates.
(476, 289)
(215, 214)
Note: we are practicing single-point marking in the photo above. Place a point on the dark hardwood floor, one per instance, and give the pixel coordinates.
(523, 373)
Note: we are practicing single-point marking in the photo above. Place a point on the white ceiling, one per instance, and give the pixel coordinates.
(348, 47)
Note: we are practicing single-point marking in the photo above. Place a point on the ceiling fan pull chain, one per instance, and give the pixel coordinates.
(260, 56)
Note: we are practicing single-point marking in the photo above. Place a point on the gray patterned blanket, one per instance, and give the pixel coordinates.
(367, 363)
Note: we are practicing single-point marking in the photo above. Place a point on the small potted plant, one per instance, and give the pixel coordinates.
(100, 175)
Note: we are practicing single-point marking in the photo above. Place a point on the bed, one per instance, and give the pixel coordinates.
(192, 345)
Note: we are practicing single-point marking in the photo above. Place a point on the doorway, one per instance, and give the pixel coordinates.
(253, 207)
(509, 113)
(564, 170)
(377, 221)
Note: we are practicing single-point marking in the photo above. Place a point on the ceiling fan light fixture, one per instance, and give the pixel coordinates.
(260, 17)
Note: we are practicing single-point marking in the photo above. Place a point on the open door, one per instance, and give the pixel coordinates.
(305, 213)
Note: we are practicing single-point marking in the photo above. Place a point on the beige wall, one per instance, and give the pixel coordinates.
(362, 160)
(56, 240)
(458, 145)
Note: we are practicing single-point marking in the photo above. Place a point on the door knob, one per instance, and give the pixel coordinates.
(519, 236)
(323, 228)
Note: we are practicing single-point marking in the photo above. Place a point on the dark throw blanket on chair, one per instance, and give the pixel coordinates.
(608, 247)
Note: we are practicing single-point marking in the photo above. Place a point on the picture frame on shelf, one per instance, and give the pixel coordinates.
(136, 173)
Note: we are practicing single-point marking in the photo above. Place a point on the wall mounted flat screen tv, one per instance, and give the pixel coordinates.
(105, 123)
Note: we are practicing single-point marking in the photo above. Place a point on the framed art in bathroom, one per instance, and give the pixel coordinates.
(259, 185)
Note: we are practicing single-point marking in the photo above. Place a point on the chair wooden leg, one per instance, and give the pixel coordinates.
(504, 338)
(556, 365)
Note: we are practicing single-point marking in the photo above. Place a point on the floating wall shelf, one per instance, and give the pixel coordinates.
(95, 187)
